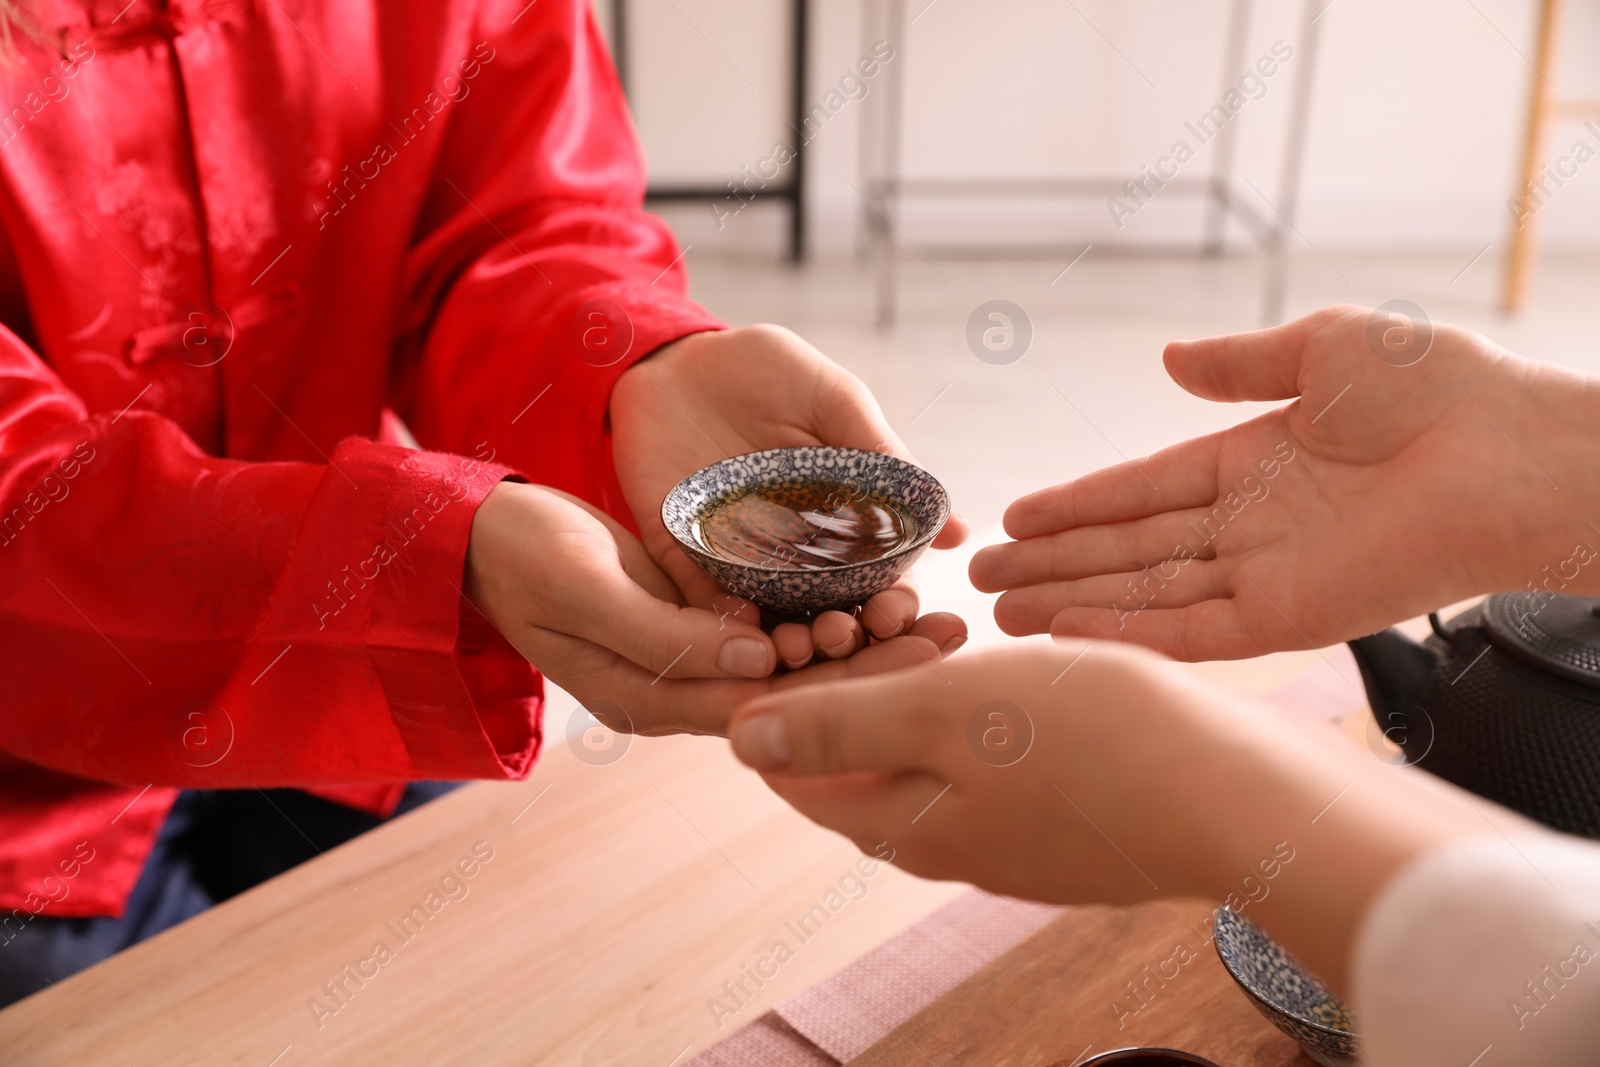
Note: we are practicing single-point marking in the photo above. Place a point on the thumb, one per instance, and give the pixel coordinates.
(694, 585)
(851, 418)
(1258, 365)
(666, 639)
(893, 722)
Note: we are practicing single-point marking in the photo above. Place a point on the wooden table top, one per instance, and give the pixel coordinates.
(1094, 980)
(615, 903)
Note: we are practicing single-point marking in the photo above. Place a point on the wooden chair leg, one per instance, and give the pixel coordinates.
(1519, 263)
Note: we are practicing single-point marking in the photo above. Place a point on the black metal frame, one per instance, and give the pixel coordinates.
(791, 192)
(886, 189)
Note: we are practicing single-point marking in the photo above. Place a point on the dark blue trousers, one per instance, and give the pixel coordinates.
(215, 844)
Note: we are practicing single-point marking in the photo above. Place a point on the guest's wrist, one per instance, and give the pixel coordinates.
(1346, 826)
(1554, 521)
(1243, 796)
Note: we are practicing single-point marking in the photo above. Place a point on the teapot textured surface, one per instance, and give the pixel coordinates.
(1503, 701)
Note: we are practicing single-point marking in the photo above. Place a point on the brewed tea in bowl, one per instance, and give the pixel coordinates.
(808, 529)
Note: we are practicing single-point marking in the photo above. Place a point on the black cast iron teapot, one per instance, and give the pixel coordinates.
(1504, 701)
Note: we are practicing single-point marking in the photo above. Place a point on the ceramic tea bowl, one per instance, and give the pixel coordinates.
(1141, 1057)
(1285, 992)
(777, 581)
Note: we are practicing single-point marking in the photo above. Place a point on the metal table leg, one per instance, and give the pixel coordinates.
(791, 192)
(878, 163)
(1275, 284)
(1222, 162)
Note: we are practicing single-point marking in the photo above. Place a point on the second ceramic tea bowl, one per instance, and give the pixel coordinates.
(1285, 992)
(787, 590)
(1142, 1057)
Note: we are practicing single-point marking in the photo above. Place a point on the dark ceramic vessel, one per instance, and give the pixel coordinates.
(1285, 992)
(805, 592)
(1144, 1057)
(1503, 700)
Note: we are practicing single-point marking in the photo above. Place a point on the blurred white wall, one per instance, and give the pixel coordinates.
(1415, 127)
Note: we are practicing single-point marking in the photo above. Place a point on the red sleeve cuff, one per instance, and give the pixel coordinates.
(384, 678)
(465, 703)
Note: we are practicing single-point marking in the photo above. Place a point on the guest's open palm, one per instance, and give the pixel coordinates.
(1381, 492)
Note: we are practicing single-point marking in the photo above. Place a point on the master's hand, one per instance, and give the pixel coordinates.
(1380, 493)
(582, 600)
(712, 395)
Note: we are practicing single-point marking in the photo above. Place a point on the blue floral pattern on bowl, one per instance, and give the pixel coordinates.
(807, 592)
(1285, 992)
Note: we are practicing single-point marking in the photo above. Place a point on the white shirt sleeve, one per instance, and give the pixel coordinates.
(1486, 954)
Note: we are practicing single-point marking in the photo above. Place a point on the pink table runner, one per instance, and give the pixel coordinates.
(840, 1018)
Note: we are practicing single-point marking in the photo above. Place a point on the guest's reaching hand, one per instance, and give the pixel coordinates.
(1096, 773)
(1382, 492)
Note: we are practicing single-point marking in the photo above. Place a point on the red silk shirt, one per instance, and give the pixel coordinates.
(237, 237)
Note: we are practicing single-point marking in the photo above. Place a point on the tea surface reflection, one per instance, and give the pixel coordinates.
(803, 525)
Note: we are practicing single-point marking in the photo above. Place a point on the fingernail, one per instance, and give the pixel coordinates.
(842, 649)
(744, 656)
(796, 664)
(895, 631)
(762, 742)
(951, 645)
